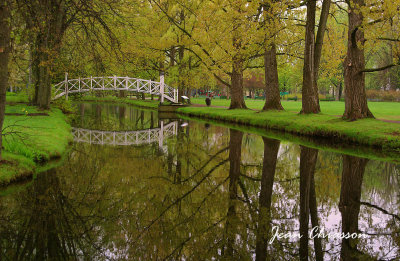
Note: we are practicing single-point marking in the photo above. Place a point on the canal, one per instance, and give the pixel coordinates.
(138, 187)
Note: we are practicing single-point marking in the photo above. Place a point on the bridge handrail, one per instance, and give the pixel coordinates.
(123, 83)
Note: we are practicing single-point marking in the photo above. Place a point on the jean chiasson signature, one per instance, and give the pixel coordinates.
(314, 232)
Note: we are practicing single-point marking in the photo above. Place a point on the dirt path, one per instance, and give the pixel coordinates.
(391, 121)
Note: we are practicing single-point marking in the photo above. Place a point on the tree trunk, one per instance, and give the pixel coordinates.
(271, 148)
(349, 205)
(172, 56)
(122, 94)
(182, 65)
(310, 100)
(29, 84)
(50, 20)
(308, 160)
(237, 97)
(340, 91)
(41, 67)
(320, 38)
(43, 80)
(4, 56)
(356, 106)
(272, 95)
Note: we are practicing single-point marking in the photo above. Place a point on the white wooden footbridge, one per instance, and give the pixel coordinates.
(126, 138)
(115, 83)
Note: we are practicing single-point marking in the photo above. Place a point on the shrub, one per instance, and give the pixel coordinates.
(378, 95)
(298, 96)
(64, 105)
(328, 99)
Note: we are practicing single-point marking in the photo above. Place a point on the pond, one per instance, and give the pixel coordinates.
(139, 187)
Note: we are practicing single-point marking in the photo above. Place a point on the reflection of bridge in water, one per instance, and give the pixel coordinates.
(126, 138)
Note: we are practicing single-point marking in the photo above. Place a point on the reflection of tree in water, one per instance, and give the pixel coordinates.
(65, 214)
(235, 149)
(271, 148)
(114, 117)
(349, 205)
(46, 225)
(196, 201)
(308, 202)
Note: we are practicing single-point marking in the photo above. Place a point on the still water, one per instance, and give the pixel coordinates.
(138, 187)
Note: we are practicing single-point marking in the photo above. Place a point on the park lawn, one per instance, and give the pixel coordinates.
(31, 140)
(381, 110)
(369, 132)
(12, 97)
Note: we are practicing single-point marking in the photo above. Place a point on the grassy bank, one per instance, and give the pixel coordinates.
(150, 104)
(31, 140)
(369, 132)
(381, 110)
(320, 144)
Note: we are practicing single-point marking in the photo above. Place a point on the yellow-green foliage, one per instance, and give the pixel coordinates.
(29, 140)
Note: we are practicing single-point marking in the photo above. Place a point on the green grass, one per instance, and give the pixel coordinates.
(12, 97)
(369, 132)
(152, 104)
(381, 110)
(30, 140)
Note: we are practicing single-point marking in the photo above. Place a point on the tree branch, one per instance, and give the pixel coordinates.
(380, 68)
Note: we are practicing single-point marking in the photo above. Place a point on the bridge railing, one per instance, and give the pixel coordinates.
(114, 83)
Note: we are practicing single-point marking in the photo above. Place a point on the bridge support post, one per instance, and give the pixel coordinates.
(162, 86)
(176, 95)
(66, 86)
